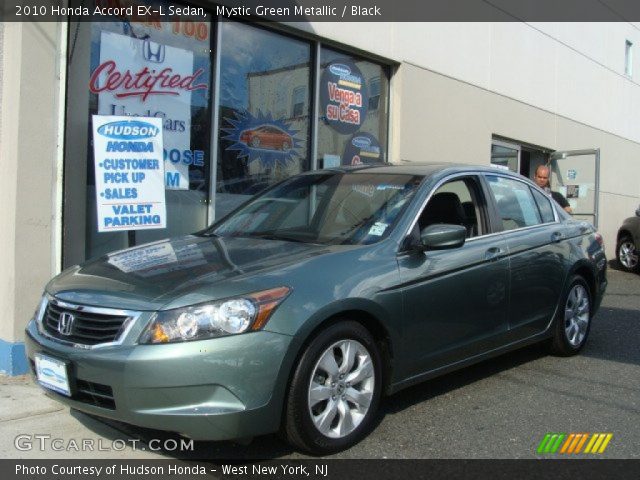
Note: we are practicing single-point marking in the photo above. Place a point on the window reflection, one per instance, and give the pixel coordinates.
(352, 126)
(148, 50)
(264, 111)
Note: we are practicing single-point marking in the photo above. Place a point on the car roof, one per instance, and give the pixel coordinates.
(423, 169)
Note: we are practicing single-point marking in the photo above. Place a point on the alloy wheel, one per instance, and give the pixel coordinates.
(341, 388)
(576, 315)
(627, 255)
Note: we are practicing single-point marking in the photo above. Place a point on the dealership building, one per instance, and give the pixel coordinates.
(244, 104)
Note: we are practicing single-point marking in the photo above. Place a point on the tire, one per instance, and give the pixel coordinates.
(627, 254)
(286, 146)
(340, 413)
(255, 142)
(573, 320)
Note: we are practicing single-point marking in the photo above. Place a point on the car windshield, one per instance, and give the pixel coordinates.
(325, 208)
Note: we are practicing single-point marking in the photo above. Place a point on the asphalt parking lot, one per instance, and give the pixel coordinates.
(501, 408)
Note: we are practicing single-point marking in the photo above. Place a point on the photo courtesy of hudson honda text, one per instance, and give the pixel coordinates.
(115, 469)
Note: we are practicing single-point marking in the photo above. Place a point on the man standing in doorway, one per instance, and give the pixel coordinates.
(541, 178)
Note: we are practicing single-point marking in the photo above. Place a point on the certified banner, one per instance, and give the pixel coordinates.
(129, 173)
(139, 77)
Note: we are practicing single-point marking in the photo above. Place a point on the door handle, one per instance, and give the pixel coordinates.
(493, 253)
(557, 236)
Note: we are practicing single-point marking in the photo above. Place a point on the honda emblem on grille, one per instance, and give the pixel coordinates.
(66, 323)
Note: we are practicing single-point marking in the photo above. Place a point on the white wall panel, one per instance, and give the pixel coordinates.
(523, 64)
(575, 70)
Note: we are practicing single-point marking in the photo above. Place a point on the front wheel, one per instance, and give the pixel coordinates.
(335, 390)
(627, 254)
(573, 320)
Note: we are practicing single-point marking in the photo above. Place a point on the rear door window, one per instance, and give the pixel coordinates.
(516, 205)
(544, 205)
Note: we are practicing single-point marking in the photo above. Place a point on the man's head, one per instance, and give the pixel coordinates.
(541, 176)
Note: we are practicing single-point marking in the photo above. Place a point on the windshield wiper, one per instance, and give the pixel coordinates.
(276, 236)
(281, 236)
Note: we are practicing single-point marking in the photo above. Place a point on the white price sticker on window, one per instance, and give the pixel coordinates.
(378, 229)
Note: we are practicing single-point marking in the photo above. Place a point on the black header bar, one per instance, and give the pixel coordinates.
(326, 10)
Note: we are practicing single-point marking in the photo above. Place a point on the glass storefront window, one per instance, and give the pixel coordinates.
(145, 67)
(265, 99)
(265, 83)
(353, 113)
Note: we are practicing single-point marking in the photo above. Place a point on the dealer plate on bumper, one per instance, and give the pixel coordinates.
(52, 374)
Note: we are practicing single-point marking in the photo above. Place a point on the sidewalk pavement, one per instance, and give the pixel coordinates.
(25, 410)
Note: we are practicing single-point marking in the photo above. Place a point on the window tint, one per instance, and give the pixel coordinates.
(453, 203)
(516, 205)
(544, 205)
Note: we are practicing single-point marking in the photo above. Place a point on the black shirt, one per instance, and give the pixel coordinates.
(559, 198)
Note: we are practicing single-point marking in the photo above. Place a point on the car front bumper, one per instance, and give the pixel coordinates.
(218, 389)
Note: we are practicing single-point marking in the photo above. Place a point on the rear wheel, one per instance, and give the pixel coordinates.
(335, 390)
(573, 322)
(627, 254)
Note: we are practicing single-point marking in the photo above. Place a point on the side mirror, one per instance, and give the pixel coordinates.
(442, 236)
(638, 211)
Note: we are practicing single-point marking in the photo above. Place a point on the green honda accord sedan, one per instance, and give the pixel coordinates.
(298, 311)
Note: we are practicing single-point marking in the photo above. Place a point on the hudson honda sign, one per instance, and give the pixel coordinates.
(129, 173)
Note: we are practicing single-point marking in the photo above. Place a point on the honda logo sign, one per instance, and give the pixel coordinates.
(153, 52)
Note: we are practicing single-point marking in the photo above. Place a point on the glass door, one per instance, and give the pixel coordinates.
(576, 175)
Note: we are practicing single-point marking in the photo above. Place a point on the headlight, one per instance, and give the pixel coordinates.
(225, 317)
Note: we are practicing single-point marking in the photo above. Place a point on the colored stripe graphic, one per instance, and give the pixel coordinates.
(556, 445)
(605, 442)
(565, 447)
(543, 443)
(594, 437)
(551, 442)
(581, 443)
(573, 443)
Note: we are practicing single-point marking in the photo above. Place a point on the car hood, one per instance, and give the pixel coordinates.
(152, 276)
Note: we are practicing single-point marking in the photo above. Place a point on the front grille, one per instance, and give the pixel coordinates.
(87, 328)
(94, 394)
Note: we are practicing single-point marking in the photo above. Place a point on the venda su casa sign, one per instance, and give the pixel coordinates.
(343, 96)
(129, 173)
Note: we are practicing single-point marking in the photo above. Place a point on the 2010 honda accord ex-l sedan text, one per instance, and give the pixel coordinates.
(299, 310)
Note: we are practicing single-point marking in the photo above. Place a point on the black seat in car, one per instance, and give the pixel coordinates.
(444, 207)
(470, 218)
